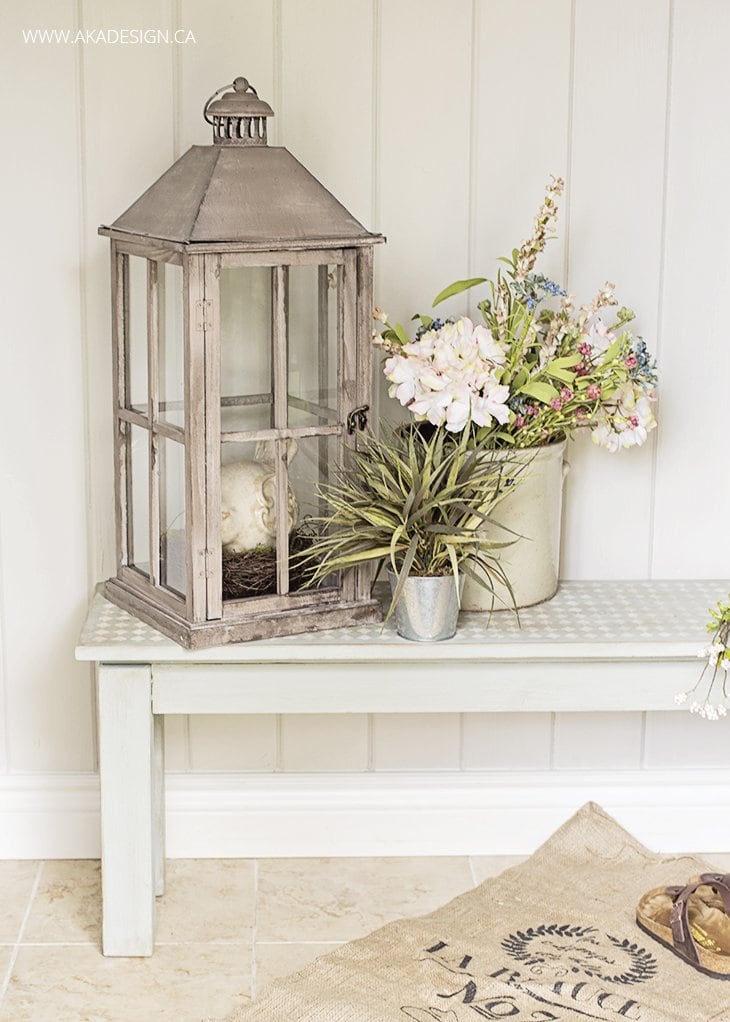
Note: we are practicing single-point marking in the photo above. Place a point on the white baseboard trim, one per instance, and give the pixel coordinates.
(245, 815)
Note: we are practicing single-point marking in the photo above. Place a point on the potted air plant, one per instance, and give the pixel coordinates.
(417, 501)
(535, 372)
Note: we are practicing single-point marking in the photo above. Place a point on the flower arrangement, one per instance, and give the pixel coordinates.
(717, 655)
(530, 374)
(414, 501)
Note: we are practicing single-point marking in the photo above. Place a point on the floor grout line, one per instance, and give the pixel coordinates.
(471, 870)
(254, 927)
(286, 943)
(21, 931)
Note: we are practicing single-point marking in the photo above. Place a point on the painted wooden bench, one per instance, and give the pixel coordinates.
(597, 646)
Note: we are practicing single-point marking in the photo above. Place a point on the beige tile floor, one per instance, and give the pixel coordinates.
(225, 929)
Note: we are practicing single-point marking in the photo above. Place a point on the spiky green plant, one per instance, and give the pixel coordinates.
(416, 502)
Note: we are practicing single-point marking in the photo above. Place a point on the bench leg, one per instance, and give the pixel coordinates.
(127, 766)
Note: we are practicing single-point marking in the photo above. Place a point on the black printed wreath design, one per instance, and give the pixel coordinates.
(643, 964)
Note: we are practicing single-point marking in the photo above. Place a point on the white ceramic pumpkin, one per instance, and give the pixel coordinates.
(248, 501)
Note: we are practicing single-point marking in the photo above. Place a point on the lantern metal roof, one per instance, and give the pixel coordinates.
(240, 190)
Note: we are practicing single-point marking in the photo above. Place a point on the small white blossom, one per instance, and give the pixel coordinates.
(715, 651)
(680, 698)
(380, 315)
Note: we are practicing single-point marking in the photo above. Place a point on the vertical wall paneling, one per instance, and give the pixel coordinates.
(692, 501)
(424, 152)
(677, 740)
(521, 127)
(423, 741)
(507, 741)
(616, 201)
(325, 119)
(324, 742)
(42, 479)
(598, 741)
(437, 124)
(233, 743)
(327, 95)
(127, 128)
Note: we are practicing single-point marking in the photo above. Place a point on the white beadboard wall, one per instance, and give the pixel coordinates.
(437, 124)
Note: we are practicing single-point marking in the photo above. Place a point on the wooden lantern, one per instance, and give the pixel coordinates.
(242, 302)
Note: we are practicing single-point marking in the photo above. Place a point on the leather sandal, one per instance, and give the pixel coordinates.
(693, 922)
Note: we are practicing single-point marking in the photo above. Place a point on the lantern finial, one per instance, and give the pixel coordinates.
(237, 114)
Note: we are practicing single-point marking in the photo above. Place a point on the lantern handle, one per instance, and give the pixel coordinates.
(238, 85)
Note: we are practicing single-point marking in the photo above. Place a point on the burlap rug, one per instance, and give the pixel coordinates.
(552, 939)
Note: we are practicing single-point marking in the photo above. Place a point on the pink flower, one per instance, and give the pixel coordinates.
(593, 392)
(556, 403)
(520, 421)
(581, 369)
(631, 361)
(566, 393)
(531, 409)
(585, 349)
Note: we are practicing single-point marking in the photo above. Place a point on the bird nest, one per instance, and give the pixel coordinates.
(253, 573)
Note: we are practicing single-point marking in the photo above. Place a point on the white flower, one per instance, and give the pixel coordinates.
(603, 435)
(491, 405)
(380, 315)
(599, 336)
(680, 698)
(400, 371)
(722, 710)
(457, 415)
(489, 348)
(628, 422)
(450, 375)
(716, 651)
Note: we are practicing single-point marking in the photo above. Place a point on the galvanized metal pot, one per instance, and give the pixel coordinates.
(533, 511)
(428, 607)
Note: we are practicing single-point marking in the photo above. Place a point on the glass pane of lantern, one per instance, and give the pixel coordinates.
(312, 348)
(138, 508)
(311, 466)
(246, 385)
(136, 361)
(171, 457)
(248, 520)
(172, 379)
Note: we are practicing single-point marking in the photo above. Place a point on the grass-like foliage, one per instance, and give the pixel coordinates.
(415, 500)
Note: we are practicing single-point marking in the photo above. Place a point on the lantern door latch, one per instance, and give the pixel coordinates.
(357, 419)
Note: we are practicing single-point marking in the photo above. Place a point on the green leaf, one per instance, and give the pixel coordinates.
(612, 351)
(456, 288)
(401, 334)
(426, 321)
(521, 378)
(559, 374)
(565, 361)
(540, 391)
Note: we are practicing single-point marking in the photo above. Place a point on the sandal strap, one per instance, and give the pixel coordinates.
(682, 937)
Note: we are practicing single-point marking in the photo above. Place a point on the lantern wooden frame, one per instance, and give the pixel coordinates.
(200, 617)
